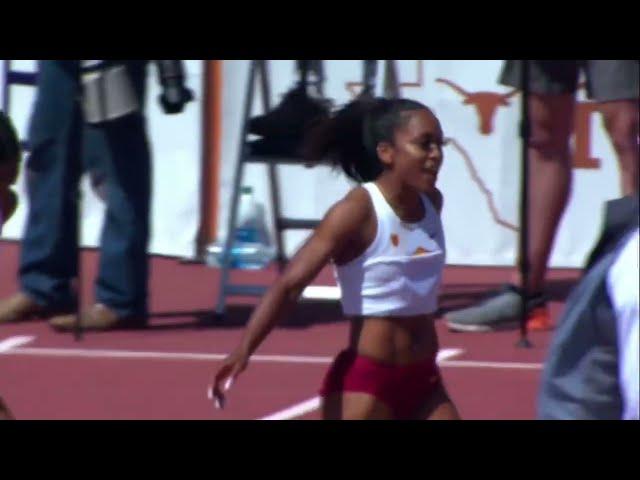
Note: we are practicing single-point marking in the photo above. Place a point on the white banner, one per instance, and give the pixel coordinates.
(175, 142)
(481, 172)
(480, 176)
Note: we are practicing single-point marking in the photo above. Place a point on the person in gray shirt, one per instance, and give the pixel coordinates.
(591, 371)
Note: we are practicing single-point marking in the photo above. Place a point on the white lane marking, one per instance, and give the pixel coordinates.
(14, 342)
(296, 410)
(9, 347)
(447, 353)
(97, 353)
(502, 365)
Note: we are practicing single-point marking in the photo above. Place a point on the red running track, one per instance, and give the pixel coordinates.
(163, 372)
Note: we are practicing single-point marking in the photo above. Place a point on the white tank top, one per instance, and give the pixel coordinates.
(399, 274)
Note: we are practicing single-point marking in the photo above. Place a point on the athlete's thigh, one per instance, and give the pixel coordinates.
(438, 406)
(354, 406)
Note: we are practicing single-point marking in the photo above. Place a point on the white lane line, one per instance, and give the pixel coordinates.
(90, 353)
(502, 365)
(14, 342)
(447, 353)
(296, 410)
(312, 404)
(87, 353)
(10, 347)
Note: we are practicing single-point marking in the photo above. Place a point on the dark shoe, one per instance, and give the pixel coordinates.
(288, 147)
(291, 117)
(21, 307)
(97, 318)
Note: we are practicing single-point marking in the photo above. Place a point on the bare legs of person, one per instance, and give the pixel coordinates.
(621, 119)
(550, 177)
(362, 406)
(550, 168)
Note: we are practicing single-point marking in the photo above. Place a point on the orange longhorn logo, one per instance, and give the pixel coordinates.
(486, 103)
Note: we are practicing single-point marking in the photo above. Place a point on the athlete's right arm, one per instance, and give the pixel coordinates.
(341, 225)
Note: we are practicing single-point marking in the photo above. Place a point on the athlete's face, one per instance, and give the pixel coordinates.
(416, 155)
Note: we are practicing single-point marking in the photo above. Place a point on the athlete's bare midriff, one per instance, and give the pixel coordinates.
(394, 340)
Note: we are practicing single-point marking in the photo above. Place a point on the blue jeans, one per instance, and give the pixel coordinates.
(62, 147)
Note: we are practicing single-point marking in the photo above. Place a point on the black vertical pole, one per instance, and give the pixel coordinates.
(77, 331)
(524, 205)
(369, 73)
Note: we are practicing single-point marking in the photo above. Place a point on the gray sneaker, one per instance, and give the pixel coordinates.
(500, 312)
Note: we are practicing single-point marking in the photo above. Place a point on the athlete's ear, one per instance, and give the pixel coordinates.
(385, 153)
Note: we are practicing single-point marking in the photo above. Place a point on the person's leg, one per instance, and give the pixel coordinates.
(621, 121)
(122, 279)
(438, 407)
(614, 84)
(550, 177)
(118, 149)
(348, 389)
(354, 406)
(49, 246)
(551, 111)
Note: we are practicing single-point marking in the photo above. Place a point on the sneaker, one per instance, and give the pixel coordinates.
(539, 320)
(291, 117)
(501, 312)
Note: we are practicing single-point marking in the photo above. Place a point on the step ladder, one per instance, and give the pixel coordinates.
(259, 68)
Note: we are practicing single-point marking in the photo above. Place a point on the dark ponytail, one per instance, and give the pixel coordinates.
(349, 139)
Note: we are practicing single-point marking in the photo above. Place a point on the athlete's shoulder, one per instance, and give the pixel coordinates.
(351, 211)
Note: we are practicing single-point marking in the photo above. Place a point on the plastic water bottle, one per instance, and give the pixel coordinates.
(251, 247)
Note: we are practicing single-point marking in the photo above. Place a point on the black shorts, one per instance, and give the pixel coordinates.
(607, 80)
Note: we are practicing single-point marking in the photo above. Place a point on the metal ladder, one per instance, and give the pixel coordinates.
(280, 223)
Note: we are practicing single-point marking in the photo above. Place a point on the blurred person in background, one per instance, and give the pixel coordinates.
(592, 368)
(614, 85)
(90, 110)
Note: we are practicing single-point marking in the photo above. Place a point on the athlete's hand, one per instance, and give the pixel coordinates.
(231, 367)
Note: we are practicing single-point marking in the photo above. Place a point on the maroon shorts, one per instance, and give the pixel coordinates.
(403, 388)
